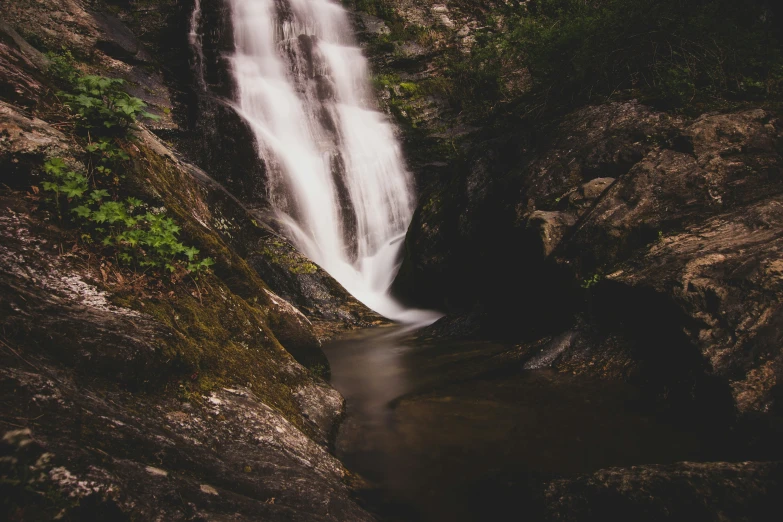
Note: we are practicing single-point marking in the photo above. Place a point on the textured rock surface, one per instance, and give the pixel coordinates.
(146, 408)
(629, 245)
(145, 401)
(684, 491)
(659, 220)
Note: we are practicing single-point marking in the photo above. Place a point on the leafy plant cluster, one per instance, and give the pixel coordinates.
(138, 234)
(62, 67)
(675, 54)
(591, 281)
(102, 103)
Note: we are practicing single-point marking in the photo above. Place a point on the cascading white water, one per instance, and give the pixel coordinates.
(336, 176)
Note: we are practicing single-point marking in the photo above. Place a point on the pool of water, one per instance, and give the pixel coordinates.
(457, 431)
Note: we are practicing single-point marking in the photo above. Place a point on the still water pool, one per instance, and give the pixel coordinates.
(458, 431)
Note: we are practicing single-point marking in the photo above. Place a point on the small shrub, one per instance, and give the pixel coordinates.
(591, 281)
(62, 67)
(134, 232)
(139, 235)
(551, 55)
(103, 104)
(106, 158)
(62, 181)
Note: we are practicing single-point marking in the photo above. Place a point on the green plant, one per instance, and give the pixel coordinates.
(106, 158)
(551, 55)
(591, 281)
(103, 104)
(62, 67)
(137, 234)
(63, 182)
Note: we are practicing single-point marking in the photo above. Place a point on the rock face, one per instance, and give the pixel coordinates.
(72, 358)
(633, 245)
(615, 241)
(657, 218)
(126, 398)
(713, 491)
(136, 398)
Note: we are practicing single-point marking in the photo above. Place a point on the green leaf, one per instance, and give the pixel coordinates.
(82, 211)
(74, 188)
(50, 186)
(54, 166)
(97, 195)
(190, 252)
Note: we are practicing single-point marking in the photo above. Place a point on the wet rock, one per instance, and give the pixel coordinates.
(723, 274)
(441, 13)
(675, 238)
(25, 143)
(549, 228)
(47, 305)
(589, 192)
(232, 456)
(72, 359)
(53, 24)
(685, 491)
(118, 41)
(667, 188)
(18, 61)
(372, 24)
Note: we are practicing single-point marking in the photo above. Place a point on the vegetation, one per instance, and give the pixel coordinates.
(278, 253)
(545, 55)
(380, 8)
(102, 104)
(591, 281)
(137, 233)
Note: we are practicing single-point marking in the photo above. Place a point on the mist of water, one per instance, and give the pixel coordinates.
(336, 176)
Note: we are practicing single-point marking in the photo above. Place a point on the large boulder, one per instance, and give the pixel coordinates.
(659, 232)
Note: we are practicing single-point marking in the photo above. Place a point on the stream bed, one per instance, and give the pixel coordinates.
(458, 431)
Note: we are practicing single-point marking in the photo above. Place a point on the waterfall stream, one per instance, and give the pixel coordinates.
(336, 176)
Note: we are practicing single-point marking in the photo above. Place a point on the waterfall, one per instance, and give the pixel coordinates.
(336, 176)
(194, 37)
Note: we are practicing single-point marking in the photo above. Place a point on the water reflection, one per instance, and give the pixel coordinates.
(455, 432)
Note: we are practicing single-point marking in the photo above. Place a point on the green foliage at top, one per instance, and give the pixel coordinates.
(674, 54)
